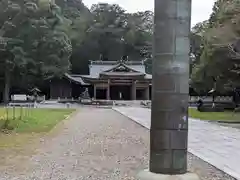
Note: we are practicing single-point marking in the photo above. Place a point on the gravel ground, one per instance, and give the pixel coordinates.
(96, 144)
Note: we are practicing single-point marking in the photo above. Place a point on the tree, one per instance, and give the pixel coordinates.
(108, 27)
(220, 49)
(45, 50)
(54, 33)
(139, 35)
(77, 18)
(48, 48)
(110, 32)
(11, 15)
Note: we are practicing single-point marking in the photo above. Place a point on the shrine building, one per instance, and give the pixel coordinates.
(107, 80)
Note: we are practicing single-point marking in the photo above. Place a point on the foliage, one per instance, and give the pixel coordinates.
(43, 39)
(219, 49)
(32, 44)
(111, 33)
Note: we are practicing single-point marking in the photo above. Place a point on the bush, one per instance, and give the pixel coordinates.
(210, 109)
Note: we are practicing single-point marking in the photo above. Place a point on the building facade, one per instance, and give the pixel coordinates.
(109, 80)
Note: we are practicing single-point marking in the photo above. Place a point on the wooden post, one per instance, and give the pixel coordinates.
(95, 91)
(108, 90)
(134, 90)
(147, 93)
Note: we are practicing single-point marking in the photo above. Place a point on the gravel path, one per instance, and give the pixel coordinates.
(97, 144)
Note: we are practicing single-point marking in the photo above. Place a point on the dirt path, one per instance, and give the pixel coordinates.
(96, 144)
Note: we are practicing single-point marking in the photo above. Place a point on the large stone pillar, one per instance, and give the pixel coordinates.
(169, 113)
(134, 90)
(169, 125)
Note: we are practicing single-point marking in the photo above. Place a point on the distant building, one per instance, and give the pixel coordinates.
(111, 80)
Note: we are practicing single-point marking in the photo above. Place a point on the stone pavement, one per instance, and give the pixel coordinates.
(215, 144)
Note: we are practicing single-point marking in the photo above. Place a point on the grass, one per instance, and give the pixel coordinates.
(29, 127)
(23, 120)
(227, 116)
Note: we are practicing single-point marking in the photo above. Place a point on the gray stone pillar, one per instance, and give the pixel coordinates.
(169, 115)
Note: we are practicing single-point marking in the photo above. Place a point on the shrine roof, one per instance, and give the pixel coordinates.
(100, 62)
(111, 68)
(122, 74)
(97, 67)
(75, 78)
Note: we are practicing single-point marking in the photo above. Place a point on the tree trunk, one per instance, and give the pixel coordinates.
(7, 85)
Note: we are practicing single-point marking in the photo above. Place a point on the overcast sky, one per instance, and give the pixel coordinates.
(200, 9)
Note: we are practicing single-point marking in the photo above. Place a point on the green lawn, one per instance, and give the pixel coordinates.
(227, 116)
(33, 120)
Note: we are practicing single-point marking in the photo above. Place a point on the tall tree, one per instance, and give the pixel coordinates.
(45, 50)
(53, 32)
(112, 33)
(220, 53)
(11, 56)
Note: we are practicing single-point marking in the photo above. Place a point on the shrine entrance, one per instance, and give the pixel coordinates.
(101, 94)
(120, 92)
(140, 94)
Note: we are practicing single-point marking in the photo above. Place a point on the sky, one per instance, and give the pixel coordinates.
(201, 10)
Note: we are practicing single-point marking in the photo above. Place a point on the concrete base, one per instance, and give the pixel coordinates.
(146, 175)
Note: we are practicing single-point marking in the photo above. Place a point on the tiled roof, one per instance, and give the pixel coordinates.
(99, 62)
(75, 78)
(122, 74)
(97, 67)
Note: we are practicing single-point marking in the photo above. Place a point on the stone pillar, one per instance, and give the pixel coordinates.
(169, 115)
(134, 90)
(108, 90)
(94, 91)
(147, 93)
(169, 109)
